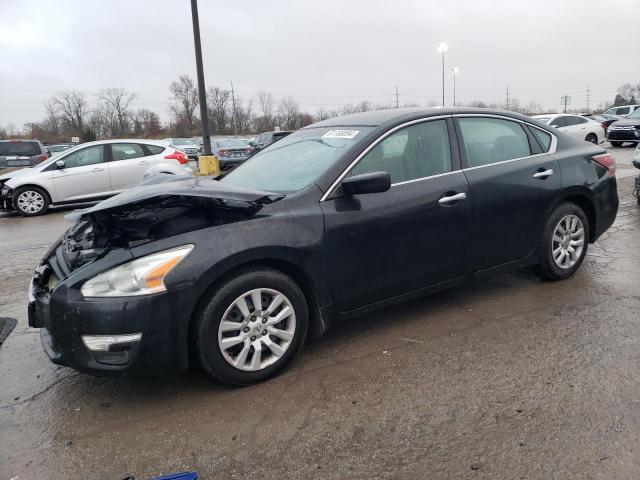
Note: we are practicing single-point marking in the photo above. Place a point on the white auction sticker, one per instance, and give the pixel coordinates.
(341, 134)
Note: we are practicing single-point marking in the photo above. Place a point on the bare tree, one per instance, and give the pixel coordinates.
(288, 110)
(146, 124)
(243, 116)
(116, 103)
(627, 93)
(266, 105)
(72, 108)
(218, 106)
(184, 100)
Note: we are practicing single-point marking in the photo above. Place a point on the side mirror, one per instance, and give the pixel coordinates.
(60, 164)
(252, 144)
(372, 182)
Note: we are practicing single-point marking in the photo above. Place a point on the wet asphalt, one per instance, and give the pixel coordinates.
(508, 377)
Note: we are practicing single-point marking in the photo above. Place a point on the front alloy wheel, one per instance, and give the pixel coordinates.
(250, 326)
(30, 201)
(257, 329)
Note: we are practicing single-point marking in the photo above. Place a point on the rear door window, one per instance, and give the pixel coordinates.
(413, 152)
(490, 140)
(622, 110)
(20, 149)
(126, 151)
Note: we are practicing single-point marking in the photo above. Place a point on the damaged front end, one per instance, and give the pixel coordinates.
(6, 196)
(162, 206)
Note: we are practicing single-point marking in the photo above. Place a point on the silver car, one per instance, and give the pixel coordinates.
(87, 173)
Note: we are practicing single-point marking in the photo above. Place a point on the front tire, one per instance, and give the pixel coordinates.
(30, 201)
(564, 242)
(251, 326)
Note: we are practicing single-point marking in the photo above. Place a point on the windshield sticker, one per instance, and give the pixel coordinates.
(341, 134)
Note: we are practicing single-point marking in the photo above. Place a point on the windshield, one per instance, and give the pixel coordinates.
(233, 142)
(183, 141)
(297, 160)
(635, 114)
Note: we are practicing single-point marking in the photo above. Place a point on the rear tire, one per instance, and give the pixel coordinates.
(592, 138)
(564, 242)
(238, 342)
(30, 201)
(616, 144)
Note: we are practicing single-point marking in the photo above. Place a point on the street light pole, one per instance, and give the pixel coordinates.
(442, 48)
(204, 120)
(455, 71)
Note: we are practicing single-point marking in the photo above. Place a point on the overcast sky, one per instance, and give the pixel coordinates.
(324, 53)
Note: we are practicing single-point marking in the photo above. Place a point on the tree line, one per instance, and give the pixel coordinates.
(70, 114)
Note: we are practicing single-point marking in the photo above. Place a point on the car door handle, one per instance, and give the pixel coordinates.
(97, 169)
(543, 174)
(143, 162)
(452, 198)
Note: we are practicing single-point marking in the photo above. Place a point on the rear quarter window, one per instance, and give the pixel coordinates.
(155, 149)
(544, 138)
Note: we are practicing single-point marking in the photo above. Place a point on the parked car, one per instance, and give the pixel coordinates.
(341, 217)
(21, 153)
(625, 130)
(575, 126)
(89, 172)
(231, 151)
(265, 139)
(189, 146)
(604, 119)
(623, 110)
(58, 148)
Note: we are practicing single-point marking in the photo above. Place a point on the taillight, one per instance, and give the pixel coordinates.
(604, 125)
(179, 156)
(223, 152)
(43, 157)
(607, 161)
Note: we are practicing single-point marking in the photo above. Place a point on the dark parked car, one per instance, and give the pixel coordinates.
(21, 153)
(339, 218)
(625, 130)
(231, 152)
(265, 139)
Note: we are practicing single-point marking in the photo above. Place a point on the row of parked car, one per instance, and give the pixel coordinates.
(66, 174)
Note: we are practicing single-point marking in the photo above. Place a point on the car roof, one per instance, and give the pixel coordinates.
(376, 118)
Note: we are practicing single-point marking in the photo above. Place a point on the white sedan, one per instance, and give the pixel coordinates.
(88, 173)
(576, 126)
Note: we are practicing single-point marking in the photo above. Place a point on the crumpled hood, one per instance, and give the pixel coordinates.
(17, 173)
(162, 206)
(161, 185)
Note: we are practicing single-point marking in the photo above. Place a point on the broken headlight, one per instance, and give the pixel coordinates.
(142, 276)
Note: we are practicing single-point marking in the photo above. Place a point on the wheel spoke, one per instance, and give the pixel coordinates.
(282, 334)
(228, 326)
(256, 298)
(275, 303)
(257, 356)
(242, 356)
(229, 342)
(576, 243)
(557, 238)
(276, 349)
(241, 303)
(282, 314)
(577, 233)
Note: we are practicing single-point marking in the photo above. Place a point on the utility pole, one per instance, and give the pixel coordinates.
(233, 106)
(588, 98)
(397, 98)
(442, 48)
(204, 119)
(507, 98)
(566, 100)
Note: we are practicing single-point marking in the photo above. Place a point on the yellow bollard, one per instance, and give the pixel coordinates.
(208, 165)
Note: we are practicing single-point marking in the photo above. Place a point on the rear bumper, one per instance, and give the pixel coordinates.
(606, 206)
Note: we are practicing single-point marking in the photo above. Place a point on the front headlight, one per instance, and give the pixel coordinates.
(143, 276)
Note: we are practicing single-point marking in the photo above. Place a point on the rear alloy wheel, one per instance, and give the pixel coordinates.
(616, 144)
(564, 242)
(30, 201)
(592, 138)
(251, 327)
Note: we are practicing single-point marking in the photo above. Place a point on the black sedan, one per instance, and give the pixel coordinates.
(339, 218)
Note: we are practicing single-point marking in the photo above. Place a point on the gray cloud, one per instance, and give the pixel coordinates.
(324, 54)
